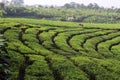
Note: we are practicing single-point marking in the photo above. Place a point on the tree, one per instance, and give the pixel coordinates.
(90, 6)
(2, 9)
(82, 6)
(67, 5)
(96, 6)
(72, 5)
(93, 6)
(2, 6)
(17, 2)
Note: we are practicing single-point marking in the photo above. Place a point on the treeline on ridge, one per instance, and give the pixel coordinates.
(91, 13)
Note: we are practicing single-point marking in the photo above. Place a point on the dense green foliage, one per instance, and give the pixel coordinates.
(62, 50)
(78, 14)
(91, 13)
(4, 65)
(4, 60)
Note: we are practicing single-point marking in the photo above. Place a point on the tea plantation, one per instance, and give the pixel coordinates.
(55, 50)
